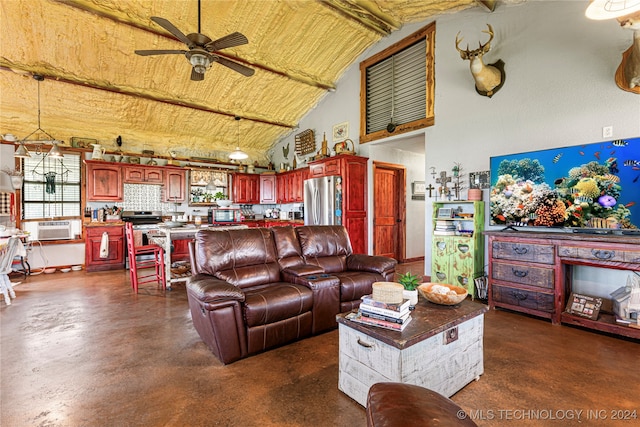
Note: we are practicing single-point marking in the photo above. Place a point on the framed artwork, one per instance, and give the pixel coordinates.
(340, 132)
(417, 190)
(479, 179)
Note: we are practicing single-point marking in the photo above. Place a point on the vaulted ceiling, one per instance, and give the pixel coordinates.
(96, 87)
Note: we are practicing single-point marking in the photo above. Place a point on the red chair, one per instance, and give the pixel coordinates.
(157, 263)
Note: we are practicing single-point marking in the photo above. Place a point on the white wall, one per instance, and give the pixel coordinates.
(559, 88)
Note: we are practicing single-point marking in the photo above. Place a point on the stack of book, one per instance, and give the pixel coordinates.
(383, 314)
(444, 228)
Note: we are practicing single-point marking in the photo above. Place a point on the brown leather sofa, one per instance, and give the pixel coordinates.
(259, 288)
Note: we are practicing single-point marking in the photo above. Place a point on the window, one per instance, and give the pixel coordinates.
(51, 187)
(397, 87)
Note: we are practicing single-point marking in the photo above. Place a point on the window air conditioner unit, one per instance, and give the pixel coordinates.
(54, 230)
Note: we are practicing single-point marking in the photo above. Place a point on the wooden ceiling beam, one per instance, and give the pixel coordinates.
(110, 88)
(366, 13)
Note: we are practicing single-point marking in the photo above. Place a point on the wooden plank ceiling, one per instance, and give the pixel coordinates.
(96, 87)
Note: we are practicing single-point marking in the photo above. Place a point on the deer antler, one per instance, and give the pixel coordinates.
(464, 54)
(484, 48)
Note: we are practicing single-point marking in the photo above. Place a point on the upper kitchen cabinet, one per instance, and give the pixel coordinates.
(143, 174)
(104, 181)
(268, 189)
(246, 188)
(290, 185)
(175, 185)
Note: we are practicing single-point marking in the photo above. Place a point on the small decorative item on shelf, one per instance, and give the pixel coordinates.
(343, 147)
(410, 282)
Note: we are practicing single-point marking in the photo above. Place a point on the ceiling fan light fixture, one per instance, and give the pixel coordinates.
(200, 62)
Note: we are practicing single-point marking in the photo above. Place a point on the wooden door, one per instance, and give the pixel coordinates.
(389, 210)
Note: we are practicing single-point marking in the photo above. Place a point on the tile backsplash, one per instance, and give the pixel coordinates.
(138, 197)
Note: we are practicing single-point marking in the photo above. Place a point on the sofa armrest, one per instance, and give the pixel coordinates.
(373, 263)
(209, 289)
(302, 270)
(326, 298)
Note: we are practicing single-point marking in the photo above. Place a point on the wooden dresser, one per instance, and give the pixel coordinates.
(530, 272)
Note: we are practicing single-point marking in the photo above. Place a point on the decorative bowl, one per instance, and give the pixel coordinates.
(224, 203)
(65, 270)
(76, 268)
(437, 293)
(49, 270)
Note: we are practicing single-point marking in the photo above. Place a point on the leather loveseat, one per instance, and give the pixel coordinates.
(259, 288)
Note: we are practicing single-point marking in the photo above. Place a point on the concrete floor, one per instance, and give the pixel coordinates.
(81, 349)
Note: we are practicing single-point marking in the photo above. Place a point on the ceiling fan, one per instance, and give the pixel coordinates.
(202, 50)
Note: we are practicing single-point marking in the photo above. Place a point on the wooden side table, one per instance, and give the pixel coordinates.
(441, 349)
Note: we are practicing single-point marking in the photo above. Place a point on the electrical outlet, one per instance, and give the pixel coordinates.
(607, 132)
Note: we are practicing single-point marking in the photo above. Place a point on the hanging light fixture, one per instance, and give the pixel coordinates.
(22, 151)
(238, 154)
(55, 151)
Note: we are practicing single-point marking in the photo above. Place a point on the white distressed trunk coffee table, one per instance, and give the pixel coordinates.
(441, 349)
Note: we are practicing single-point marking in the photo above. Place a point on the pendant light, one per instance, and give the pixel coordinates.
(238, 154)
(22, 151)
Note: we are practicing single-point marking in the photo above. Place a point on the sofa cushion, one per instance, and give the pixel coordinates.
(244, 257)
(275, 301)
(287, 247)
(327, 246)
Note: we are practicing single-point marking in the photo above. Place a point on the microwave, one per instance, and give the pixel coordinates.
(224, 215)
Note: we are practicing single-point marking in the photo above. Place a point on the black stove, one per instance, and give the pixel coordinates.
(142, 219)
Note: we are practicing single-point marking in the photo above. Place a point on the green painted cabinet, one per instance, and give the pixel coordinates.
(457, 255)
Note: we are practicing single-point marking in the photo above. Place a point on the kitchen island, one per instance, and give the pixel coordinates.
(165, 235)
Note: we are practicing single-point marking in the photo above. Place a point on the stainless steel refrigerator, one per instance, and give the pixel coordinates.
(323, 201)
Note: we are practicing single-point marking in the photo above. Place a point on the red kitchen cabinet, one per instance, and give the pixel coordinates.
(246, 188)
(175, 185)
(268, 189)
(115, 257)
(143, 175)
(104, 181)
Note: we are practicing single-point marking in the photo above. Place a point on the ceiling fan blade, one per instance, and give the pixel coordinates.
(231, 40)
(196, 76)
(173, 30)
(245, 71)
(159, 52)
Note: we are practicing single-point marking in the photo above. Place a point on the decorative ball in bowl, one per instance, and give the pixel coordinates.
(224, 203)
(443, 294)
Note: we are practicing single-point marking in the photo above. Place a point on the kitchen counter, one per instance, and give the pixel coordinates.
(104, 224)
(164, 235)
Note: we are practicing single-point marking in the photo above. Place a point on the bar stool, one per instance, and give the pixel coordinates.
(157, 263)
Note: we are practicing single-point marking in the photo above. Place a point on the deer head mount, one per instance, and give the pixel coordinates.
(489, 78)
(628, 73)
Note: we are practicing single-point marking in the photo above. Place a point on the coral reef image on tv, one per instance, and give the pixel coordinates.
(595, 185)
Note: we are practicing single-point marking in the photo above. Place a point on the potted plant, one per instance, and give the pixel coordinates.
(410, 282)
(222, 200)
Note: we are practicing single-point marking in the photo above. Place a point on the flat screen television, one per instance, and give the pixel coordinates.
(585, 187)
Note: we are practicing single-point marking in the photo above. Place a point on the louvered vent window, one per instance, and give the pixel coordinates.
(51, 187)
(398, 86)
(396, 90)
